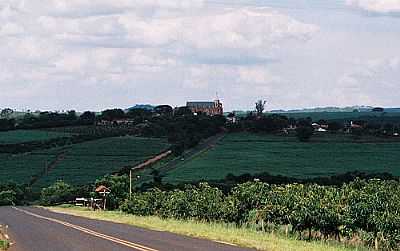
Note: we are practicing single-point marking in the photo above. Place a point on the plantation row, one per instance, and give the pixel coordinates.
(366, 211)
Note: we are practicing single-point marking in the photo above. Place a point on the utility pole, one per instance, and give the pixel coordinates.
(130, 183)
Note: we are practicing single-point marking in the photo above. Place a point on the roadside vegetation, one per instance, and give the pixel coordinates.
(220, 232)
(362, 213)
(4, 242)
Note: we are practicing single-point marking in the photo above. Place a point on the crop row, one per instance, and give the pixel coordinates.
(366, 210)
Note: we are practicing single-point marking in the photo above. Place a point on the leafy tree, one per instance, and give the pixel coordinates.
(260, 106)
(140, 113)
(8, 198)
(182, 111)
(112, 114)
(119, 186)
(71, 115)
(334, 126)
(59, 192)
(165, 110)
(88, 117)
(7, 124)
(6, 113)
(157, 177)
(304, 133)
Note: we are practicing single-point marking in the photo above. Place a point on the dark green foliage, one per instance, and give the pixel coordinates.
(7, 198)
(164, 110)
(334, 126)
(59, 192)
(366, 209)
(13, 194)
(266, 124)
(112, 114)
(87, 118)
(119, 186)
(304, 130)
(304, 133)
(7, 124)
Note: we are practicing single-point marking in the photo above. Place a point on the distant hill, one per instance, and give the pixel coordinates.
(335, 109)
(142, 106)
(327, 109)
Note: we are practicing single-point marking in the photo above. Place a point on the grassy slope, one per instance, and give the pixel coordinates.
(21, 167)
(83, 162)
(21, 136)
(217, 232)
(279, 155)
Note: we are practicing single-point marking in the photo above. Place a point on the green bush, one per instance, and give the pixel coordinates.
(7, 198)
(4, 244)
(360, 209)
(59, 192)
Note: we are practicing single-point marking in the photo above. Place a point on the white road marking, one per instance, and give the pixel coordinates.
(90, 232)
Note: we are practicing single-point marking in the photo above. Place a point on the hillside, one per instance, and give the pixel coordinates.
(325, 155)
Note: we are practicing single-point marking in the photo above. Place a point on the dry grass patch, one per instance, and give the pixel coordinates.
(213, 231)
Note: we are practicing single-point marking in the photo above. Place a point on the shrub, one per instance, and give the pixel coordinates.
(360, 209)
(304, 133)
(8, 198)
(59, 192)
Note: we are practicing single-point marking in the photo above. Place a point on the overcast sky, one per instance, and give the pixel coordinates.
(96, 54)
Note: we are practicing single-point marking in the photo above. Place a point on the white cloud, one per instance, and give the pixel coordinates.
(378, 6)
(11, 29)
(131, 46)
(373, 81)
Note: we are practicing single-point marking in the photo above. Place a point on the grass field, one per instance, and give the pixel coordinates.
(340, 115)
(283, 155)
(21, 136)
(227, 233)
(80, 163)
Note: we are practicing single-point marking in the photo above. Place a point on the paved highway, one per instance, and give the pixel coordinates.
(36, 229)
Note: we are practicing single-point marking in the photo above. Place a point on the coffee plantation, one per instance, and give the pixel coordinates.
(367, 211)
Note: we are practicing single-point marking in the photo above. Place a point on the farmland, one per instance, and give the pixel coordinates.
(83, 163)
(325, 155)
(79, 163)
(21, 136)
(339, 115)
(21, 167)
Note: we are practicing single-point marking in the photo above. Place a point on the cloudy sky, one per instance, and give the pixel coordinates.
(96, 54)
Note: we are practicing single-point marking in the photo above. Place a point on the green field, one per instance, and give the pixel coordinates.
(21, 167)
(80, 163)
(22, 136)
(339, 115)
(326, 155)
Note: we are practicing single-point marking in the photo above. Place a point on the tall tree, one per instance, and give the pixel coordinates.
(260, 106)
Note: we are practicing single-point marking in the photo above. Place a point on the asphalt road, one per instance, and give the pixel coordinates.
(36, 229)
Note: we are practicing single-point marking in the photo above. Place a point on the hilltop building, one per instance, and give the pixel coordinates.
(209, 108)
